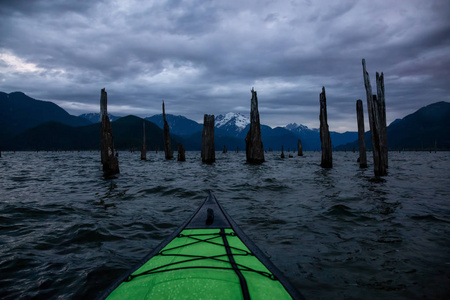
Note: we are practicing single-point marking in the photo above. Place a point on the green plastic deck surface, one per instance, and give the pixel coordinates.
(205, 280)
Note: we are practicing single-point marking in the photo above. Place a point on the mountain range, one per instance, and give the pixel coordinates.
(127, 132)
(236, 125)
(426, 129)
(18, 113)
(30, 124)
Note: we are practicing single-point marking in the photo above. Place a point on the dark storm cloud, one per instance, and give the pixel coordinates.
(205, 56)
(37, 7)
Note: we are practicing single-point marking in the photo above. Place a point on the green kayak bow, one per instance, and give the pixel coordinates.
(208, 257)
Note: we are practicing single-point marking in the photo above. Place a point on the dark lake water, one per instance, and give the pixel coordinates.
(336, 234)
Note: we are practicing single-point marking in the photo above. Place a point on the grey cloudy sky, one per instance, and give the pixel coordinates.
(205, 56)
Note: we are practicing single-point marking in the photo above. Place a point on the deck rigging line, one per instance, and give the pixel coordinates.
(242, 280)
(234, 266)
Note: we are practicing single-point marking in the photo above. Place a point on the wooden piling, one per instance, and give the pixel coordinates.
(300, 149)
(108, 158)
(167, 147)
(361, 134)
(282, 152)
(181, 153)
(225, 150)
(253, 144)
(373, 109)
(382, 116)
(144, 148)
(325, 139)
(208, 151)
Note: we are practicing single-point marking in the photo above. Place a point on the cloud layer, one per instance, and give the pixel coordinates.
(205, 56)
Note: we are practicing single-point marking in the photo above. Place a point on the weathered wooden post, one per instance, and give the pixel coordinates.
(225, 150)
(108, 158)
(181, 153)
(208, 151)
(361, 134)
(300, 149)
(144, 148)
(282, 152)
(382, 115)
(167, 147)
(325, 139)
(253, 145)
(373, 109)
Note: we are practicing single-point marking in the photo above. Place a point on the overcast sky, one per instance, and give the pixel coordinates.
(205, 56)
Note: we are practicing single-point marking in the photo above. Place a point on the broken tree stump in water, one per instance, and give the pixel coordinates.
(253, 144)
(300, 149)
(373, 108)
(167, 147)
(208, 151)
(361, 134)
(109, 160)
(325, 139)
(382, 116)
(144, 148)
(181, 153)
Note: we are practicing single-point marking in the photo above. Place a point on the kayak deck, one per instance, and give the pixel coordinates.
(208, 257)
(186, 267)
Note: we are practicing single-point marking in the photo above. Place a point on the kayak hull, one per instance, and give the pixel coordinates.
(208, 257)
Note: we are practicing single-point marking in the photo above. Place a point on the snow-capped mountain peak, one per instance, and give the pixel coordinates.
(291, 126)
(302, 127)
(95, 117)
(296, 128)
(237, 120)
